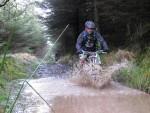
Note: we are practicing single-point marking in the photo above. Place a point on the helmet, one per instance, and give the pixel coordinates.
(90, 24)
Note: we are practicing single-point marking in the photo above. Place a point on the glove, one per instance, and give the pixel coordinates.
(101, 50)
(79, 51)
(107, 51)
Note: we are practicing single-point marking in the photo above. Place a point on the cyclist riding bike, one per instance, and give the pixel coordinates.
(88, 40)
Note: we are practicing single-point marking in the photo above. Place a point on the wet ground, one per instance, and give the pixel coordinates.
(67, 97)
(53, 70)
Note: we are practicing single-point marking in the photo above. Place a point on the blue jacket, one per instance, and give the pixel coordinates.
(80, 44)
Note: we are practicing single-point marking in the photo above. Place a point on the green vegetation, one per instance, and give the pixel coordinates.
(116, 56)
(22, 25)
(108, 59)
(12, 69)
(122, 23)
(20, 31)
(138, 74)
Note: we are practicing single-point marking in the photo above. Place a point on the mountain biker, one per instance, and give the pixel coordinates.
(89, 39)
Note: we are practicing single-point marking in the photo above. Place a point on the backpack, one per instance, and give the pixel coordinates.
(85, 36)
(89, 42)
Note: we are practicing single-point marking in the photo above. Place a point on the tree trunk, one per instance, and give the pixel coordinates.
(96, 14)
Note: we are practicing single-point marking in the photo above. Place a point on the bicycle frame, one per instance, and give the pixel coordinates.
(92, 57)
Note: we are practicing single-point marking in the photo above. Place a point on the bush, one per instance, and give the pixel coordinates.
(13, 69)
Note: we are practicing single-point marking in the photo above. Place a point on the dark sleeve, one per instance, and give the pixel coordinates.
(102, 42)
(79, 43)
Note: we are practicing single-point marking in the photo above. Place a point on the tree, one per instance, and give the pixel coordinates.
(62, 13)
(24, 27)
(4, 3)
(117, 20)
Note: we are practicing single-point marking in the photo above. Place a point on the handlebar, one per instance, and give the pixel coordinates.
(99, 52)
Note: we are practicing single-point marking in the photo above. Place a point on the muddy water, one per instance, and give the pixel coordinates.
(103, 104)
(67, 97)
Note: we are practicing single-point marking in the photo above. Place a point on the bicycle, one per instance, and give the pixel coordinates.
(90, 71)
(91, 57)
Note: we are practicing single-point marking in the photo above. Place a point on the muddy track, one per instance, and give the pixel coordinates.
(67, 97)
(53, 70)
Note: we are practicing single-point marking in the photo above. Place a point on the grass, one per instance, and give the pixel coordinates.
(116, 57)
(108, 59)
(138, 74)
(13, 68)
(3, 96)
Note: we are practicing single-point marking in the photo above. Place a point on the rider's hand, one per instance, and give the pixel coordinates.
(107, 51)
(101, 50)
(79, 52)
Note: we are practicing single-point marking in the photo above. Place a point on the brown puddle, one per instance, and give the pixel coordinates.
(66, 97)
(103, 104)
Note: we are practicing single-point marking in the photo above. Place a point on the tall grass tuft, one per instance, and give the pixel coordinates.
(12, 69)
(138, 74)
(117, 57)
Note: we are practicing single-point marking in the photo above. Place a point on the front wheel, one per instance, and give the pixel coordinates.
(95, 59)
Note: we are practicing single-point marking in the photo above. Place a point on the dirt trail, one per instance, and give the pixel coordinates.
(67, 97)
